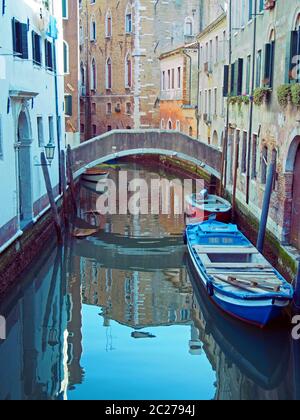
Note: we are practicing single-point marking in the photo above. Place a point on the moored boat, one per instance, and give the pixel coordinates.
(235, 275)
(95, 175)
(203, 205)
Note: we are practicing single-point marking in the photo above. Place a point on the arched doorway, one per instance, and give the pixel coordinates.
(24, 170)
(295, 218)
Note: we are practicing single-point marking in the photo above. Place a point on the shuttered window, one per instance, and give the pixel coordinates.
(269, 64)
(240, 68)
(226, 82)
(48, 55)
(294, 75)
(36, 49)
(20, 39)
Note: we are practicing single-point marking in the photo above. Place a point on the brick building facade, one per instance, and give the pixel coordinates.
(121, 42)
(71, 70)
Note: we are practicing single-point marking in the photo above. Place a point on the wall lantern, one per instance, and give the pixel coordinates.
(49, 152)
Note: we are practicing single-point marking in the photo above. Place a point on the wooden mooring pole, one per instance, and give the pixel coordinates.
(266, 207)
(70, 177)
(52, 202)
(64, 185)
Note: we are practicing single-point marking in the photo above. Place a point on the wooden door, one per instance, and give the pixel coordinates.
(295, 229)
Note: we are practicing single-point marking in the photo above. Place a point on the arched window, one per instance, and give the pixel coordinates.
(108, 24)
(170, 125)
(191, 132)
(93, 75)
(66, 58)
(93, 30)
(128, 19)
(108, 73)
(128, 71)
(162, 124)
(189, 27)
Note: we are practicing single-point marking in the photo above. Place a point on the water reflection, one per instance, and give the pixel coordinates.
(120, 316)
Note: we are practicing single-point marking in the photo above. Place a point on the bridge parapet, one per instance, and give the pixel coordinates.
(119, 143)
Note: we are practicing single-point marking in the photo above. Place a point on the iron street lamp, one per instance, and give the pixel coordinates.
(49, 152)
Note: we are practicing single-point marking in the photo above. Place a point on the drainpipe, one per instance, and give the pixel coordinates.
(251, 102)
(87, 102)
(198, 90)
(223, 183)
(190, 81)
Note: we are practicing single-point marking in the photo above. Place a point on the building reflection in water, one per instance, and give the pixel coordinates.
(136, 273)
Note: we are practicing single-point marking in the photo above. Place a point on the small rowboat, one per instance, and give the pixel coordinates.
(202, 206)
(235, 275)
(94, 175)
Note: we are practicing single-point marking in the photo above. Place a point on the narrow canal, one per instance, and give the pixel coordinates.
(118, 315)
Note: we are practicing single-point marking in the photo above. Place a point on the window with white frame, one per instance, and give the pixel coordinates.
(189, 27)
(128, 19)
(108, 73)
(93, 75)
(93, 31)
(108, 24)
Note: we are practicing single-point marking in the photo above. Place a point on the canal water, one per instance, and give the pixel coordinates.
(119, 315)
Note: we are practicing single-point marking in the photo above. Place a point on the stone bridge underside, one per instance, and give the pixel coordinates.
(117, 144)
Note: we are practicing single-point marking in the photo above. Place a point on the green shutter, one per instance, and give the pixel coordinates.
(226, 81)
(69, 105)
(293, 53)
(240, 67)
(14, 37)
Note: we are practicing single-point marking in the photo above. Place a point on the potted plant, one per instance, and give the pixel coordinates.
(261, 95)
(295, 91)
(284, 95)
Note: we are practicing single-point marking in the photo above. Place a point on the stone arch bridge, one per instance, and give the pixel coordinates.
(119, 143)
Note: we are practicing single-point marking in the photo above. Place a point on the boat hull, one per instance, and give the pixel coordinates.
(202, 216)
(94, 177)
(259, 313)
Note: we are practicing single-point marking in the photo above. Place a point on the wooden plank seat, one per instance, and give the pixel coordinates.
(250, 284)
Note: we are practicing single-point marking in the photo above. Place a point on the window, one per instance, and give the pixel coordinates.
(264, 165)
(128, 20)
(294, 68)
(254, 157)
(179, 77)
(269, 61)
(163, 80)
(250, 9)
(170, 125)
(258, 69)
(20, 39)
(209, 104)
(94, 108)
(93, 75)
(68, 105)
(189, 30)
(51, 129)
(109, 108)
(173, 78)
(109, 128)
(244, 153)
(40, 131)
(128, 108)
(65, 11)
(108, 25)
(169, 79)
(162, 124)
(94, 130)
(128, 71)
(36, 49)
(82, 128)
(178, 125)
(48, 55)
(248, 75)
(66, 58)
(93, 34)
(217, 49)
(215, 101)
(226, 81)
(108, 73)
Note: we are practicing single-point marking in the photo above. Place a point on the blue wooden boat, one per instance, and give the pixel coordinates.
(235, 275)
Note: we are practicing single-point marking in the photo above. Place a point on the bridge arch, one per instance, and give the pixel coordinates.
(119, 143)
